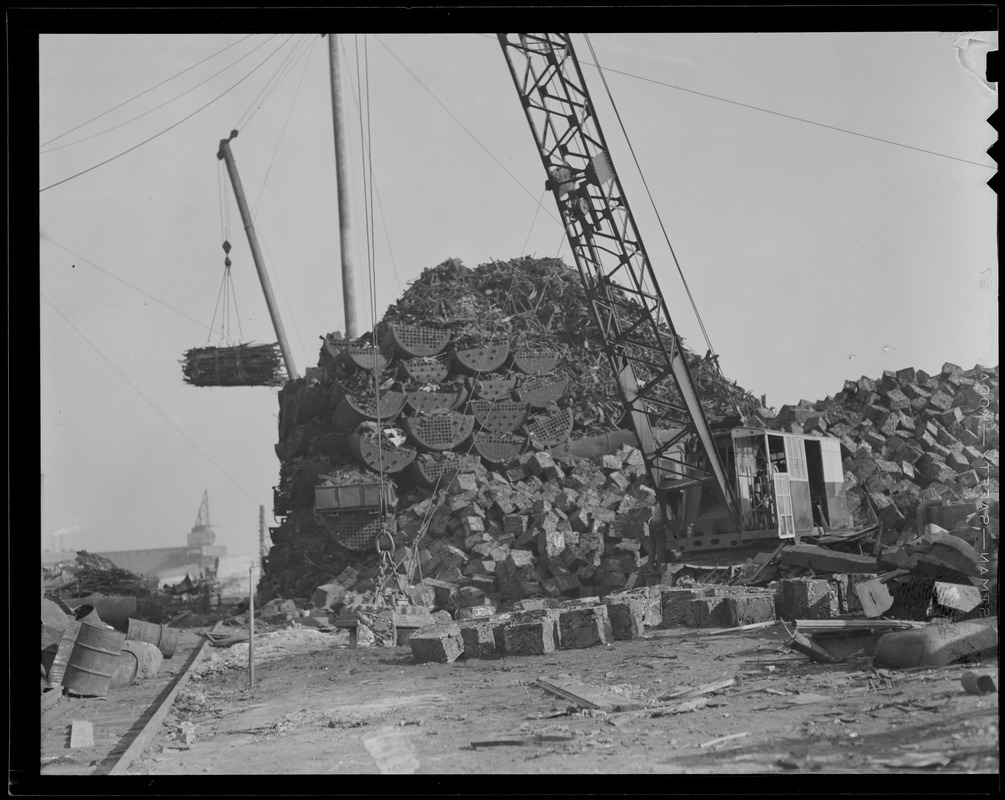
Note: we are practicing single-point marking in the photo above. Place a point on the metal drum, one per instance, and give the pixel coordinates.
(161, 635)
(93, 661)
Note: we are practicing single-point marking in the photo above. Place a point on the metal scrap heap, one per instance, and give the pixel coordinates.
(489, 374)
(909, 438)
(240, 365)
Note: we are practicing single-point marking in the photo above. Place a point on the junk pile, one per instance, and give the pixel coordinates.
(492, 383)
(467, 457)
(237, 365)
(86, 656)
(89, 574)
(909, 438)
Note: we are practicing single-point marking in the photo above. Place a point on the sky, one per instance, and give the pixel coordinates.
(813, 254)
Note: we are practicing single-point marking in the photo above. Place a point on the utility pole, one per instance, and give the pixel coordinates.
(342, 184)
(227, 156)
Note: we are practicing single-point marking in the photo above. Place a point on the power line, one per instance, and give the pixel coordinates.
(286, 122)
(277, 77)
(468, 132)
(645, 183)
(146, 91)
(780, 114)
(125, 282)
(376, 187)
(148, 401)
(798, 119)
(162, 105)
(170, 127)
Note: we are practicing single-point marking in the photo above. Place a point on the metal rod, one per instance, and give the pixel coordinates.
(342, 185)
(227, 156)
(251, 626)
(261, 534)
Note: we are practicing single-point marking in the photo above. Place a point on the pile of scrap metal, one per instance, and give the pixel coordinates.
(82, 574)
(239, 365)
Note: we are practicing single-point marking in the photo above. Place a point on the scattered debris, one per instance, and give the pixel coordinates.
(520, 740)
(938, 643)
(975, 683)
(721, 739)
(588, 696)
(697, 691)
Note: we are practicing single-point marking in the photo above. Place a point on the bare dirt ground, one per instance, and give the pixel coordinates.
(331, 710)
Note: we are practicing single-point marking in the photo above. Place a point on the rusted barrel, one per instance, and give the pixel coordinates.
(126, 670)
(165, 638)
(51, 637)
(62, 657)
(114, 610)
(93, 661)
(86, 614)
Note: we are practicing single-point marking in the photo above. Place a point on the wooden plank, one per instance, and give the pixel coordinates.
(588, 696)
(696, 691)
(823, 560)
(875, 598)
(764, 566)
(753, 626)
(153, 725)
(81, 734)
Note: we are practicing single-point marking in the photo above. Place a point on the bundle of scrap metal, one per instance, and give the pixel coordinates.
(90, 573)
(239, 365)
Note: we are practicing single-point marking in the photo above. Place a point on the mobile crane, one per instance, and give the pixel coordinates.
(723, 493)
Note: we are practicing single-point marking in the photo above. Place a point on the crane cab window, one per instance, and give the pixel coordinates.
(776, 454)
(795, 457)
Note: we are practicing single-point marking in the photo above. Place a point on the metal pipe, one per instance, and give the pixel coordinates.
(227, 156)
(342, 185)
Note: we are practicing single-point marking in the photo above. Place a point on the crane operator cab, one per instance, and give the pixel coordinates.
(785, 485)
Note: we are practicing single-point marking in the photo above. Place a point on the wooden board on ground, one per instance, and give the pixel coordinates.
(588, 696)
(81, 734)
(875, 598)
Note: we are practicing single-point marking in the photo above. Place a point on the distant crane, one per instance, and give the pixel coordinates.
(202, 532)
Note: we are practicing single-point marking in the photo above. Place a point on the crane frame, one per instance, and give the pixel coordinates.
(638, 334)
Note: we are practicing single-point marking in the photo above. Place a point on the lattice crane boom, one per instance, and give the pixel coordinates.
(638, 333)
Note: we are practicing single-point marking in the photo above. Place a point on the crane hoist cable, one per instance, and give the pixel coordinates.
(714, 359)
(226, 296)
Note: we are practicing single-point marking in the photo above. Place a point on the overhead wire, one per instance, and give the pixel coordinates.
(145, 91)
(162, 105)
(780, 114)
(376, 189)
(167, 129)
(148, 401)
(659, 219)
(463, 126)
(282, 292)
(652, 201)
(799, 119)
(84, 260)
(289, 113)
(278, 75)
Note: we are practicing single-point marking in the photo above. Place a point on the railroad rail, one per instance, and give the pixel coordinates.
(124, 723)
